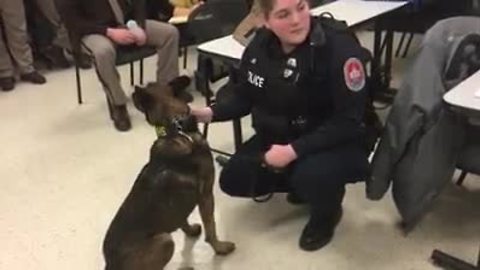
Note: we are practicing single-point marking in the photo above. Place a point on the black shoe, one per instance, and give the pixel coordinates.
(55, 56)
(33, 77)
(318, 234)
(294, 199)
(119, 115)
(7, 83)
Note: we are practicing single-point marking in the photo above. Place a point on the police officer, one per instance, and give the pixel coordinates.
(303, 80)
(12, 17)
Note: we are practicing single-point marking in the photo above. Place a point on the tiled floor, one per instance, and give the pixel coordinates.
(65, 171)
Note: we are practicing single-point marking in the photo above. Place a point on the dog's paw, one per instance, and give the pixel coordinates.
(224, 248)
(193, 230)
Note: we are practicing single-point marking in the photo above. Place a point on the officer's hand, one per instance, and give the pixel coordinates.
(121, 36)
(203, 115)
(279, 156)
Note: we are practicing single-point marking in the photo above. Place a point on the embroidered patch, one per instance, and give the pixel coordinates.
(354, 74)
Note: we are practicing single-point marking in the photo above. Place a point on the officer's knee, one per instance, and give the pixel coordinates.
(230, 181)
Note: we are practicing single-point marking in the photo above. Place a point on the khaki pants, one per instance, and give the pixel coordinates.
(12, 13)
(161, 35)
(49, 10)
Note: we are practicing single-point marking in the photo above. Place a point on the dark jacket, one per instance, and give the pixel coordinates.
(85, 17)
(161, 10)
(313, 97)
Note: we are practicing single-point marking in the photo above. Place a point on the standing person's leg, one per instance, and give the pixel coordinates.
(49, 10)
(7, 81)
(14, 22)
(165, 38)
(320, 180)
(104, 53)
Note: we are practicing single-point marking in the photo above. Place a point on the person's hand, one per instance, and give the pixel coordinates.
(140, 36)
(279, 156)
(203, 115)
(121, 36)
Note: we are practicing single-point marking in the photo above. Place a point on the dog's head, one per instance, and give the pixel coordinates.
(164, 105)
(166, 108)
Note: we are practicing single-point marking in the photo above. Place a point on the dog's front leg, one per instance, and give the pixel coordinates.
(206, 207)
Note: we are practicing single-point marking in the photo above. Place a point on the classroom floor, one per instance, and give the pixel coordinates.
(65, 171)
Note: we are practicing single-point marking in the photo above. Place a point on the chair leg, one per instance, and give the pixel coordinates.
(141, 71)
(185, 55)
(132, 74)
(400, 44)
(461, 178)
(79, 85)
(409, 42)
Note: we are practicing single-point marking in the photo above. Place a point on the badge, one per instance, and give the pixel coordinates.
(292, 62)
(287, 73)
(354, 74)
(253, 61)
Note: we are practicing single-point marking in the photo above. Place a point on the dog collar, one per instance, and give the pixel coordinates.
(162, 133)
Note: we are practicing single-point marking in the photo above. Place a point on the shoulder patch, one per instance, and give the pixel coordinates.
(354, 74)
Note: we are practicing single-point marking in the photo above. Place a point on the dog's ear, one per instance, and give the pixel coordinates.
(179, 86)
(142, 100)
(179, 83)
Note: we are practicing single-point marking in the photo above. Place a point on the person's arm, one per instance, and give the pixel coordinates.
(348, 86)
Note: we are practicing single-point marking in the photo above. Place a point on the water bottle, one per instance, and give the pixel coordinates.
(134, 28)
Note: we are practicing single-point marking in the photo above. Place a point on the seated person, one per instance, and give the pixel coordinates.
(100, 26)
(303, 81)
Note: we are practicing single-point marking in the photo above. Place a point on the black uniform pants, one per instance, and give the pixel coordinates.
(319, 179)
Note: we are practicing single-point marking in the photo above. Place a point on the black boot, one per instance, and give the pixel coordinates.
(319, 230)
(55, 56)
(120, 117)
(7, 83)
(33, 77)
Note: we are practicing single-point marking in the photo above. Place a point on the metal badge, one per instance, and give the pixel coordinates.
(253, 61)
(292, 62)
(287, 73)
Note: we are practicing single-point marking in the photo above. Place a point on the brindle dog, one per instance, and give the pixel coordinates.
(178, 177)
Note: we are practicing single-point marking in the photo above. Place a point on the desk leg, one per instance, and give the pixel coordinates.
(381, 68)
